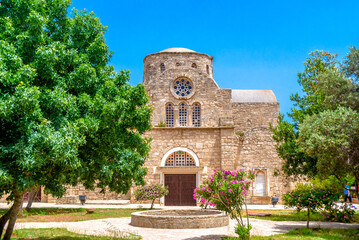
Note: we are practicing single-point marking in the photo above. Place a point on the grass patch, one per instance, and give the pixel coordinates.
(307, 234)
(71, 214)
(293, 215)
(60, 234)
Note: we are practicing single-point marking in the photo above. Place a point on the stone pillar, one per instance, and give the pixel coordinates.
(189, 114)
(227, 149)
(176, 115)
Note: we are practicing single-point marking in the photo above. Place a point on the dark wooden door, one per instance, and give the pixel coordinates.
(180, 189)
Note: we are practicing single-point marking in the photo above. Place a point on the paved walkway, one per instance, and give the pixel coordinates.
(124, 204)
(121, 226)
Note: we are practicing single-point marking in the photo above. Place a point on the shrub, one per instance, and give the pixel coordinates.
(305, 196)
(227, 191)
(151, 192)
(344, 213)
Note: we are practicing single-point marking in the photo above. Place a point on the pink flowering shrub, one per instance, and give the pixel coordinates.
(226, 190)
(305, 196)
(343, 213)
(150, 192)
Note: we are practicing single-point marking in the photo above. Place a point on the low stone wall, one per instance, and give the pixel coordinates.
(180, 219)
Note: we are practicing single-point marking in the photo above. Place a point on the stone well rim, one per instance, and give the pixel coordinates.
(218, 213)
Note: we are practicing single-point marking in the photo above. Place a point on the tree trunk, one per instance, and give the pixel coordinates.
(356, 188)
(13, 215)
(21, 207)
(308, 217)
(32, 196)
(4, 219)
(153, 201)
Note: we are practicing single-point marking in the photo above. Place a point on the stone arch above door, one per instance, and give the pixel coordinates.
(182, 149)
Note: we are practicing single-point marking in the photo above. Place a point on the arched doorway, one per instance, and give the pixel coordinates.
(181, 180)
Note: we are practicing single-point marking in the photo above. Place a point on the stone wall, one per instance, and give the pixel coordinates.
(256, 148)
(215, 102)
(204, 142)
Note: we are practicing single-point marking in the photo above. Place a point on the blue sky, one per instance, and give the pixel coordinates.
(255, 44)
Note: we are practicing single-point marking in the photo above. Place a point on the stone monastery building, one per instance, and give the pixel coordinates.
(199, 127)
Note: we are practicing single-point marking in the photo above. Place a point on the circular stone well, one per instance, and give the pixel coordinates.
(179, 219)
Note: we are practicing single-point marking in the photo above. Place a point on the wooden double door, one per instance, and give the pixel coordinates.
(180, 189)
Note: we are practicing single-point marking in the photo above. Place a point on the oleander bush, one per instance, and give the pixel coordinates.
(151, 192)
(226, 190)
(313, 199)
(343, 213)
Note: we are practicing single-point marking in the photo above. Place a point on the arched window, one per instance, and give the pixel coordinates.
(182, 114)
(169, 115)
(180, 159)
(194, 65)
(260, 184)
(196, 115)
(163, 68)
(207, 69)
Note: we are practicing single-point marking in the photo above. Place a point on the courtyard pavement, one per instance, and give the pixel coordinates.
(121, 226)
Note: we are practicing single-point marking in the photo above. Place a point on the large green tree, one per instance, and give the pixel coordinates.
(66, 117)
(298, 162)
(322, 139)
(333, 137)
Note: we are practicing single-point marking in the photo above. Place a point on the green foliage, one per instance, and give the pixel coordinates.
(64, 234)
(296, 161)
(351, 64)
(310, 103)
(285, 133)
(243, 232)
(151, 192)
(344, 213)
(227, 191)
(328, 183)
(66, 117)
(305, 196)
(326, 87)
(161, 124)
(333, 137)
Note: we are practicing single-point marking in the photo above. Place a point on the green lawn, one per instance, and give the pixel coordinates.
(59, 234)
(308, 234)
(285, 215)
(71, 215)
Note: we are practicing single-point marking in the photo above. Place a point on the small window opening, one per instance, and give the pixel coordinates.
(260, 184)
(196, 115)
(194, 65)
(183, 114)
(163, 68)
(180, 159)
(207, 69)
(169, 115)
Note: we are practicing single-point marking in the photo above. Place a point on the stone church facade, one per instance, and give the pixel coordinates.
(199, 127)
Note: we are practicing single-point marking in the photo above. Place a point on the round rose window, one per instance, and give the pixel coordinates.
(182, 87)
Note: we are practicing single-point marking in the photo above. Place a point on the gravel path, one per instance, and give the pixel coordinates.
(121, 226)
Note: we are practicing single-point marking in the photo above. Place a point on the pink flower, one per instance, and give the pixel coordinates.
(230, 190)
(345, 216)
